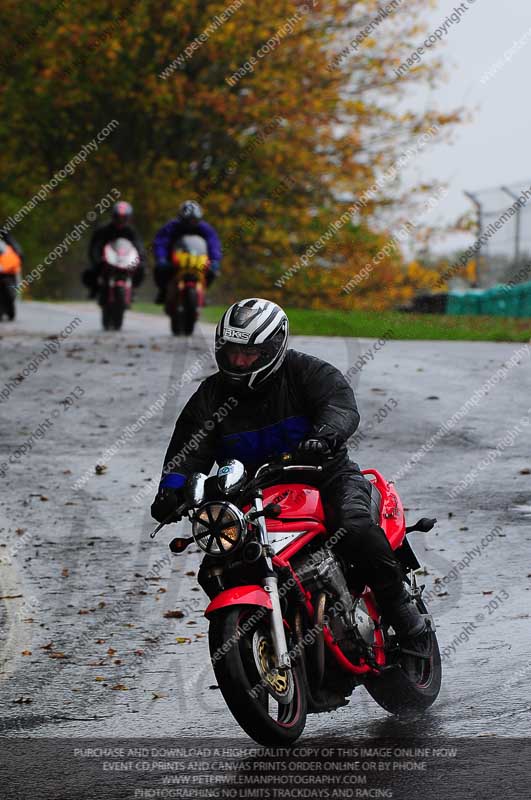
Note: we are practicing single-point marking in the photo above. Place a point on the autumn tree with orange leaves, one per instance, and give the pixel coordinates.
(277, 116)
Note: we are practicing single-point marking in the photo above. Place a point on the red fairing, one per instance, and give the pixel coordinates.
(297, 500)
(392, 518)
(240, 595)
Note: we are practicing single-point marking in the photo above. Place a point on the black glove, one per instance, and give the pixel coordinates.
(314, 447)
(210, 277)
(166, 501)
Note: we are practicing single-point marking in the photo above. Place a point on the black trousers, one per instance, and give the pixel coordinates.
(346, 496)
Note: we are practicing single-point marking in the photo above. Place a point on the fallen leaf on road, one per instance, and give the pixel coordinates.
(20, 531)
(26, 653)
(173, 614)
(100, 641)
(158, 696)
(47, 646)
(83, 611)
(111, 651)
(58, 654)
(23, 700)
(65, 573)
(119, 688)
(191, 573)
(43, 498)
(99, 469)
(99, 679)
(183, 640)
(525, 471)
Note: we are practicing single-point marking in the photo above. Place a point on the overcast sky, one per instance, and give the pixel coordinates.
(495, 148)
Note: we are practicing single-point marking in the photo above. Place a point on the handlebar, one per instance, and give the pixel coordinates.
(175, 516)
(272, 467)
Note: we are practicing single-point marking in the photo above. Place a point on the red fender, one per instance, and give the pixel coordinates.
(240, 595)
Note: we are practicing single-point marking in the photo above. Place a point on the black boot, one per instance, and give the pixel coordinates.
(401, 612)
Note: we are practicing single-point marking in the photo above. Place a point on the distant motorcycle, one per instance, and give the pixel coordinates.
(294, 630)
(185, 292)
(10, 265)
(120, 261)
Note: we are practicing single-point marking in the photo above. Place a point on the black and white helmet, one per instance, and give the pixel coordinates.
(251, 327)
(191, 211)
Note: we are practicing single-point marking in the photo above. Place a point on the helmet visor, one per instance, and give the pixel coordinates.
(244, 359)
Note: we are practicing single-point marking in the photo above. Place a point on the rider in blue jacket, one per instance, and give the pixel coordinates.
(189, 221)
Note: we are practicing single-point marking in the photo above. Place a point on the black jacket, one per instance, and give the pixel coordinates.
(306, 398)
(108, 233)
(10, 240)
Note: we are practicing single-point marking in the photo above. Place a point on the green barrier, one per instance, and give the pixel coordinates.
(498, 301)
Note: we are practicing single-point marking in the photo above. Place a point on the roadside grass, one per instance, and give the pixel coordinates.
(391, 324)
(399, 325)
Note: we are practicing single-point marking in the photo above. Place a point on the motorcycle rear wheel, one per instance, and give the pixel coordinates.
(415, 683)
(270, 708)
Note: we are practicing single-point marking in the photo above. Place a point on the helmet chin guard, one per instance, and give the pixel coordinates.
(260, 326)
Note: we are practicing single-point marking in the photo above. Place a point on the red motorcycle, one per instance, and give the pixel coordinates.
(185, 293)
(293, 630)
(120, 261)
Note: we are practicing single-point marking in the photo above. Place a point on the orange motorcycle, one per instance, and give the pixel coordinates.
(10, 266)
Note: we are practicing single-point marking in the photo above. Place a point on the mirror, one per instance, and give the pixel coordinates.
(231, 476)
(194, 491)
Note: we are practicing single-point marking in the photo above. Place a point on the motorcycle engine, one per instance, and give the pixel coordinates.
(322, 572)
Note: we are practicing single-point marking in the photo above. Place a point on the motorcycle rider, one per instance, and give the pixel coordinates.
(286, 401)
(12, 242)
(189, 221)
(120, 227)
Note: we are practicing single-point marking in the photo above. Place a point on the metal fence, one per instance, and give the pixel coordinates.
(505, 254)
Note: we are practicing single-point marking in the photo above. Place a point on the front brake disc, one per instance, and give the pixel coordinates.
(277, 682)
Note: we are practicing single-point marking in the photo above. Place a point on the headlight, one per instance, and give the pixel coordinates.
(218, 528)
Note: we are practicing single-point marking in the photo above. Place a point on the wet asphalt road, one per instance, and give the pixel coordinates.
(85, 647)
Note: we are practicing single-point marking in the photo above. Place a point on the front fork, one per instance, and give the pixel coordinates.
(278, 634)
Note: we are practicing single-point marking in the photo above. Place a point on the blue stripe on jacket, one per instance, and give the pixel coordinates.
(173, 480)
(256, 447)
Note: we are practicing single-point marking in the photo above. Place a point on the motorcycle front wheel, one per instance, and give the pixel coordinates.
(270, 705)
(190, 309)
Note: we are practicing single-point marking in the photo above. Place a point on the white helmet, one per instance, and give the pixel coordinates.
(190, 211)
(252, 326)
